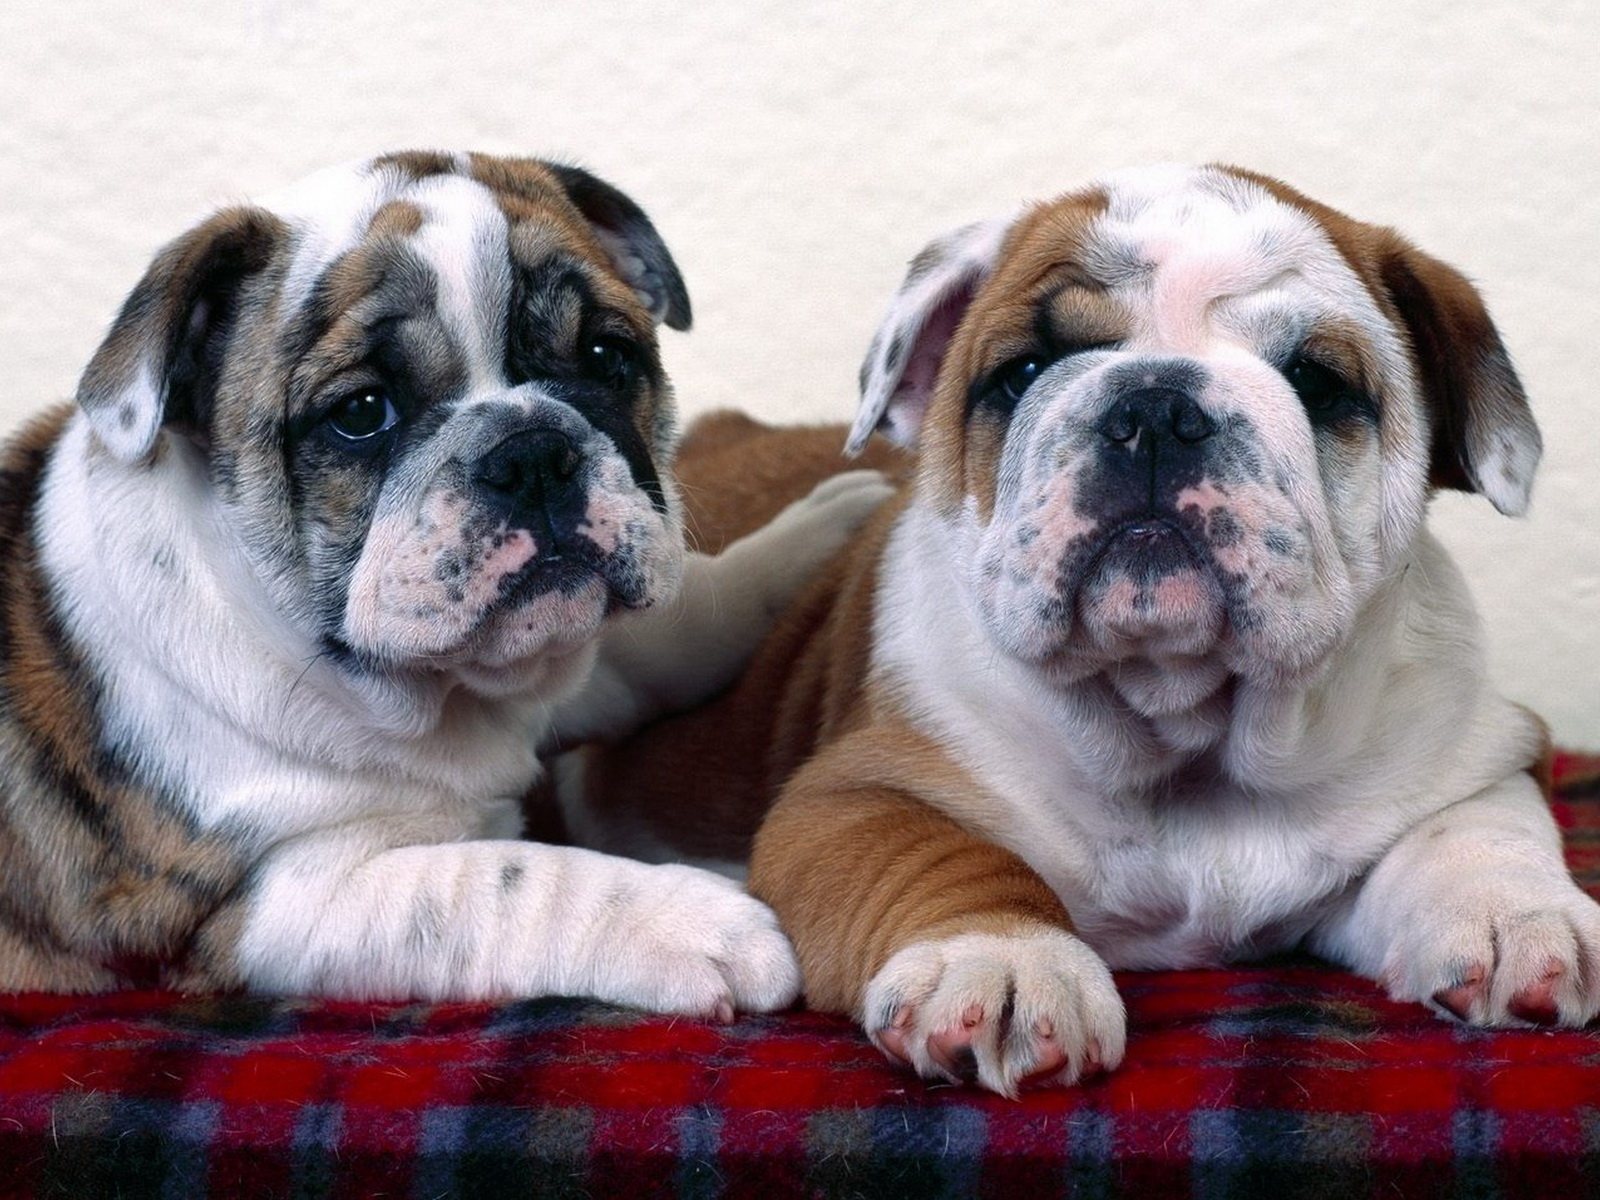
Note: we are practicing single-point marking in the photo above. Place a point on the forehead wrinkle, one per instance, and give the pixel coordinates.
(464, 238)
(1084, 315)
(379, 282)
(557, 292)
(1213, 250)
(328, 214)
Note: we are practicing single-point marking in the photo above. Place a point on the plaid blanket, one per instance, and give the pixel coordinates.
(1292, 1080)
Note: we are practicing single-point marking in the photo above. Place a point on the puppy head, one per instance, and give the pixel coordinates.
(1190, 416)
(426, 393)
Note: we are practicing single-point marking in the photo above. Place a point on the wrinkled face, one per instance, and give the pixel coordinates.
(436, 410)
(1178, 420)
(1185, 415)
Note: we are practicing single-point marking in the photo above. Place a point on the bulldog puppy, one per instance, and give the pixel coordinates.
(1154, 664)
(357, 487)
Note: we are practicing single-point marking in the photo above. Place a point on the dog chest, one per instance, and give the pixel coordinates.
(1220, 883)
(1196, 873)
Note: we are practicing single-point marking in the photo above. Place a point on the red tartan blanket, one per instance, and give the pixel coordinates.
(1290, 1081)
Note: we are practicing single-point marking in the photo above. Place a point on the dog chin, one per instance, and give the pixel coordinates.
(1147, 590)
(511, 637)
(550, 670)
(1147, 593)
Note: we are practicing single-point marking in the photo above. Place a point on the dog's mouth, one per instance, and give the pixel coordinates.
(569, 568)
(1149, 576)
(1145, 549)
(1149, 548)
(490, 595)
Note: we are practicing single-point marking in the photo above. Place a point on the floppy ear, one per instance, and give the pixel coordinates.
(635, 248)
(903, 360)
(1484, 436)
(158, 364)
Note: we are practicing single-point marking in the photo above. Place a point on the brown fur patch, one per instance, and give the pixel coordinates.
(855, 854)
(1037, 281)
(1466, 373)
(860, 860)
(397, 219)
(737, 474)
(419, 164)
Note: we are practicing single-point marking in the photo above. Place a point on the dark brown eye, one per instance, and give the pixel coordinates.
(363, 415)
(1323, 392)
(1011, 381)
(612, 361)
(1017, 376)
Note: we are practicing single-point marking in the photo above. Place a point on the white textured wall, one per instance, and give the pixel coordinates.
(796, 155)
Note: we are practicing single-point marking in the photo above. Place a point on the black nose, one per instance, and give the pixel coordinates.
(1157, 412)
(532, 475)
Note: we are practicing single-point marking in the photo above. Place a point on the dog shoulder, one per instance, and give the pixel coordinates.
(102, 879)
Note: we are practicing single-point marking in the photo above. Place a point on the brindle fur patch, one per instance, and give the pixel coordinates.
(105, 880)
(102, 882)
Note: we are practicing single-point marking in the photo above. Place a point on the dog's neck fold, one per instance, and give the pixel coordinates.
(1140, 723)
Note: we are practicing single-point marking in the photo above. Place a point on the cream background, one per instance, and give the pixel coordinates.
(796, 155)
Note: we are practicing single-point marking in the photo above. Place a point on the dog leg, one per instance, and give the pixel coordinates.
(953, 954)
(337, 915)
(666, 659)
(1474, 914)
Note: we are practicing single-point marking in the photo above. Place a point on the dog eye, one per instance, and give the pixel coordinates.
(1014, 378)
(612, 361)
(1323, 393)
(363, 415)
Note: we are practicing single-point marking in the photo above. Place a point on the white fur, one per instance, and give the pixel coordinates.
(1316, 783)
(960, 260)
(463, 236)
(365, 799)
(344, 913)
(378, 808)
(952, 990)
(1477, 887)
(1197, 794)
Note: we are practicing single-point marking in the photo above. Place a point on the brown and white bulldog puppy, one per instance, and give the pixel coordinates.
(1154, 664)
(366, 493)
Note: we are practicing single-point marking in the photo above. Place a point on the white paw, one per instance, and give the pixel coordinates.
(682, 940)
(1508, 951)
(807, 533)
(1004, 1010)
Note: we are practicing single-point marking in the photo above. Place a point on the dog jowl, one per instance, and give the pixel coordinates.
(356, 482)
(1155, 663)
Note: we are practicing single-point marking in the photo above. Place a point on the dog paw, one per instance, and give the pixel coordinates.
(849, 494)
(1509, 962)
(809, 531)
(1004, 1011)
(683, 940)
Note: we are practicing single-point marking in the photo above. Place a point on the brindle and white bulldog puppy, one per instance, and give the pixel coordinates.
(360, 482)
(1154, 664)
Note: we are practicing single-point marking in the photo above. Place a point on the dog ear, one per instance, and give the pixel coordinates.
(1484, 436)
(903, 360)
(159, 361)
(635, 248)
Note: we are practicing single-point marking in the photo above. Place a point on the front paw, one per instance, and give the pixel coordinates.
(683, 940)
(808, 532)
(1005, 1011)
(1528, 954)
